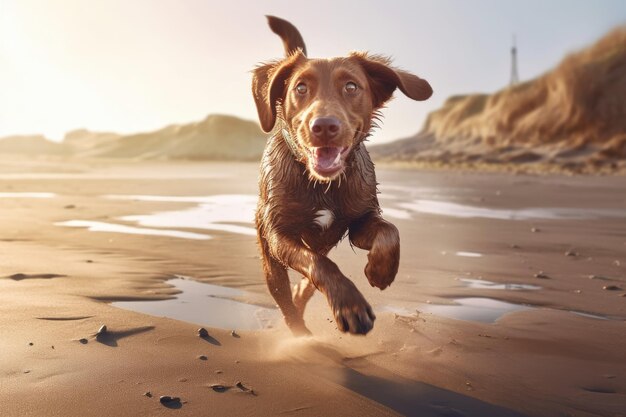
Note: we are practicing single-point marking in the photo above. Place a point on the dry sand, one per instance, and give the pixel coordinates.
(541, 361)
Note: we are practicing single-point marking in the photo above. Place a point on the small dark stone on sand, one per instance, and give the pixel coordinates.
(542, 275)
(147, 394)
(219, 388)
(219, 372)
(27, 371)
(535, 230)
(571, 253)
(202, 357)
(202, 332)
(83, 341)
(30, 343)
(599, 389)
(611, 288)
(234, 334)
(20, 276)
(89, 261)
(70, 206)
(241, 386)
(102, 330)
(166, 399)
(623, 295)
(514, 246)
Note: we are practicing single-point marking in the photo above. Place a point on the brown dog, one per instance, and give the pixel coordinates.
(317, 179)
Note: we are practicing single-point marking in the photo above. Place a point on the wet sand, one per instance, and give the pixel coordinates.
(499, 307)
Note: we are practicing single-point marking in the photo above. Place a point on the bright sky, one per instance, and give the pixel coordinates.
(137, 65)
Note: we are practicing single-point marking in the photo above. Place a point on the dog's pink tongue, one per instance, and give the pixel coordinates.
(327, 157)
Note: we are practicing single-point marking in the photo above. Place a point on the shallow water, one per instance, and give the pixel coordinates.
(226, 213)
(445, 208)
(234, 213)
(481, 309)
(488, 285)
(231, 212)
(469, 254)
(94, 226)
(590, 315)
(215, 306)
(394, 213)
(207, 304)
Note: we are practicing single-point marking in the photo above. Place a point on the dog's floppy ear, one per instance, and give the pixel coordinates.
(384, 79)
(268, 88)
(292, 40)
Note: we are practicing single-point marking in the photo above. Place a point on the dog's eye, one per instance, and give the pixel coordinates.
(351, 87)
(302, 88)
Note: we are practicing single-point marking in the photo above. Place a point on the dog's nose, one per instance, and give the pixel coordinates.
(325, 128)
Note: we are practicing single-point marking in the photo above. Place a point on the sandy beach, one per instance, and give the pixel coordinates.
(510, 299)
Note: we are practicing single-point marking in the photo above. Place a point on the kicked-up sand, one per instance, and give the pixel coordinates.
(510, 299)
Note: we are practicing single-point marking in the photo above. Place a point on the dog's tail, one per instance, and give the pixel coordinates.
(292, 39)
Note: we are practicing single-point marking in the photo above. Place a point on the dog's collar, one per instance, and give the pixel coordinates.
(291, 144)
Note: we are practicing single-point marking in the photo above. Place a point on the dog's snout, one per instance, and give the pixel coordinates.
(325, 128)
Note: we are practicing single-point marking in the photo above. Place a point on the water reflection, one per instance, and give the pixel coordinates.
(207, 304)
(94, 226)
(227, 213)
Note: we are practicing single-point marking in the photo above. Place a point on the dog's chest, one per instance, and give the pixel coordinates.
(324, 218)
(324, 228)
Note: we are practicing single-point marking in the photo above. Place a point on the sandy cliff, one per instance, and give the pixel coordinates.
(32, 145)
(574, 117)
(217, 137)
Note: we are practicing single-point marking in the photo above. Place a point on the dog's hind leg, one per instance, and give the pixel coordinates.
(278, 283)
(302, 293)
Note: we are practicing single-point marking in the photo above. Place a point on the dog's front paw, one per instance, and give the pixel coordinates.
(352, 313)
(382, 266)
(381, 273)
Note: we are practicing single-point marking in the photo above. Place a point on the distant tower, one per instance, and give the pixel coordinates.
(514, 74)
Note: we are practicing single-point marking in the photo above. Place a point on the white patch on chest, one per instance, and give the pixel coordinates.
(324, 218)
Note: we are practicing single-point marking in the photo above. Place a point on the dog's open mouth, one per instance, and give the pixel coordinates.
(327, 160)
